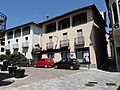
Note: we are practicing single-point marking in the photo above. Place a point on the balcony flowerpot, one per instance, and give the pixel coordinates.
(3, 68)
(12, 70)
(19, 73)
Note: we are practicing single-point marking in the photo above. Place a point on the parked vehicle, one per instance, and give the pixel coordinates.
(26, 63)
(44, 62)
(8, 63)
(67, 64)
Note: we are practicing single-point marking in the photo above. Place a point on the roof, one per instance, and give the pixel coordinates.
(93, 7)
(22, 25)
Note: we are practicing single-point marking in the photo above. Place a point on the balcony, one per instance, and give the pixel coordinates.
(25, 44)
(15, 46)
(79, 41)
(49, 45)
(7, 47)
(64, 43)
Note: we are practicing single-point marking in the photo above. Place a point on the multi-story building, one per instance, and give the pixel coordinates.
(81, 31)
(22, 39)
(114, 16)
(2, 45)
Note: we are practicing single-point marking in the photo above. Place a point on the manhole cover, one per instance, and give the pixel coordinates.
(110, 84)
(93, 82)
(89, 84)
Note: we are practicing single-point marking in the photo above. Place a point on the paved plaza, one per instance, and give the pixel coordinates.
(60, 79)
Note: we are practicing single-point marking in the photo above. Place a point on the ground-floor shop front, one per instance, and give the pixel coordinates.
(85, 55)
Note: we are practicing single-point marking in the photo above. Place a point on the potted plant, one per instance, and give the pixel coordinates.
(18, 58)
(10, 63)
(3, 59)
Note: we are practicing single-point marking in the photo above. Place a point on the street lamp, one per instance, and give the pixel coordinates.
(3, 19)
(56, 41)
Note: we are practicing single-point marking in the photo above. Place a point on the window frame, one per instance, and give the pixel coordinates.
(78, 19)
(64, 23)
(10, 35)
(17, 33)
(115, 14)
(50, 27)
(26, 30)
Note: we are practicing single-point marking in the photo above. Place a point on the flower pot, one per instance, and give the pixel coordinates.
(19, 73)
(12, 70)
(3, 68)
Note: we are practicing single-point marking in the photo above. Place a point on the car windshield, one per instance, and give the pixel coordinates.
(42, 59)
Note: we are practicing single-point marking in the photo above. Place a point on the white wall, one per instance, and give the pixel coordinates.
(33, 39)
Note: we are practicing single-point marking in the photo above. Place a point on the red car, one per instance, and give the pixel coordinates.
(44, 62)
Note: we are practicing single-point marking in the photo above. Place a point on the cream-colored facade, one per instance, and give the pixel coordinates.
(85, 38)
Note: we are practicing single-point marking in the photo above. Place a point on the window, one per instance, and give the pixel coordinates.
(8, 42)
(42, 59)
(10, 35)
(79, 33)
(26, 38)
(119, 5)
(79, 19)
(15, 51)
(50, 39)
(16, 40)
(51, 55)
(18, 33)
(2, 43)
(26, 30)
(65, 23)
(65, 37)
(65, 55)
(83, 56)
(50, 28)
(115, 14)
(2, 49)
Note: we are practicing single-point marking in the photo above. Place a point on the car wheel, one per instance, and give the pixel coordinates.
(78, 68)
(56, 66)
(34, 66)
(71, 67)
(45, 66)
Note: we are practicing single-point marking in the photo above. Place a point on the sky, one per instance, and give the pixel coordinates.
(19, 12)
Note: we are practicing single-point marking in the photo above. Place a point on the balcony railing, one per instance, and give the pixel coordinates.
(15, 46)
(64, 43)
(49, 45)
(25, 44)
(79, 41)
(7, 47)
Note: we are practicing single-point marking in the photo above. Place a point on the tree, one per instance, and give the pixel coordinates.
(3, 57)
(18, 58)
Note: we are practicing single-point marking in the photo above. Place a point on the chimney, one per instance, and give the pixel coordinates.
(47, 17)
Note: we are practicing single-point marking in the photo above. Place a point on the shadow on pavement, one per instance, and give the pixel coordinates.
(112, 66)
(118, 88)
(3, 79)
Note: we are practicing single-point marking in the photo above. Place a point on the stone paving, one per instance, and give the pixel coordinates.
(75, 80)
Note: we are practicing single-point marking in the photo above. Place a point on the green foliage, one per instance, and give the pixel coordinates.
(8, 57)
(14, 57)
(3, 57)
(18, 57)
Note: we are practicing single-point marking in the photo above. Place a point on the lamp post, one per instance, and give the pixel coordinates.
(56, 41)
(3, 19)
